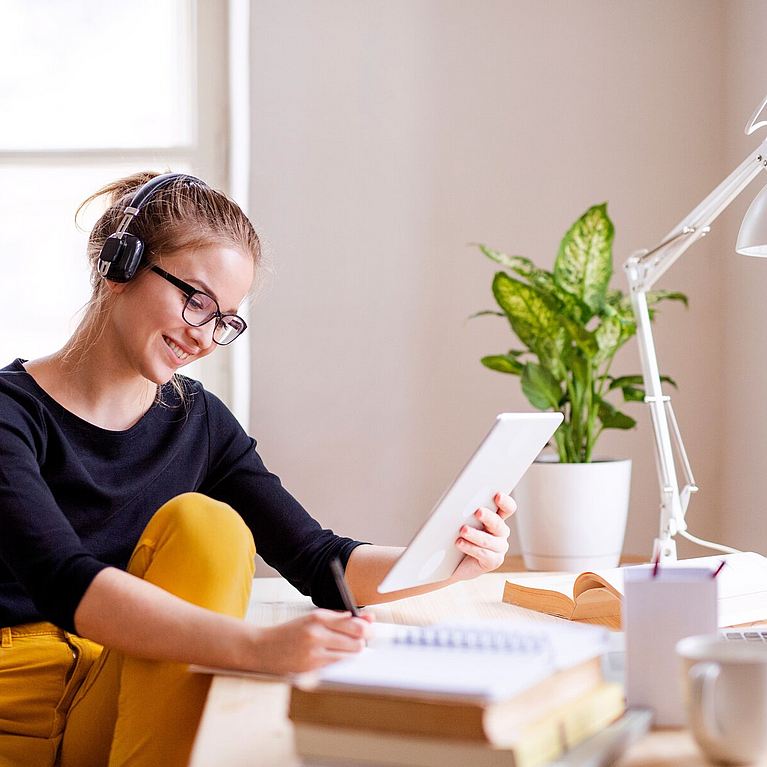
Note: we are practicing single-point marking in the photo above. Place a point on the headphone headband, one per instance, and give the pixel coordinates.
(121, 253)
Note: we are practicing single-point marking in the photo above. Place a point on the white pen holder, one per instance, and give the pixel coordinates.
(660, 608)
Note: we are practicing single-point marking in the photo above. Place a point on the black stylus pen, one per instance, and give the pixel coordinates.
(343, 587)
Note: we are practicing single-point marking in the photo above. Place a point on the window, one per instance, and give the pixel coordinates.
(89, 94)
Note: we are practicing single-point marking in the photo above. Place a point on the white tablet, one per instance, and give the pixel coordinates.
(497, 465)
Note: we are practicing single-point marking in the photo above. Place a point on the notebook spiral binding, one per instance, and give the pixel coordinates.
(471, 639)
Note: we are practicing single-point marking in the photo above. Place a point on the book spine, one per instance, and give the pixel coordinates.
(384, 714)
(568, 726)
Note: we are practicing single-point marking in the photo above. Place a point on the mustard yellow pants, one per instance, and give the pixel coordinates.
(66, 701)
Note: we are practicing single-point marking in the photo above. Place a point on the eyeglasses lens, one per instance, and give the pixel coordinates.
(199, 309)
(227, 329)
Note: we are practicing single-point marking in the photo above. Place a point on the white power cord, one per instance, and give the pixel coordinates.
(708, 544)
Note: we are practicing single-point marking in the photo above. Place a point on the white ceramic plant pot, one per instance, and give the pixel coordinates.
(572, 516)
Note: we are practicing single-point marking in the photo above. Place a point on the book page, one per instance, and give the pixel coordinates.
(599, 579)
(560, 583)
(742, 584)
(742, 575)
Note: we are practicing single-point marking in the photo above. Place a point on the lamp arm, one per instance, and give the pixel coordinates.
(652, 264)
(643, 269)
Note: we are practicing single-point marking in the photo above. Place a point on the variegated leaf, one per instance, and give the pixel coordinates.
(584, 262)
(503, 364)
(534, 319)
(531, 316)
(608, 337)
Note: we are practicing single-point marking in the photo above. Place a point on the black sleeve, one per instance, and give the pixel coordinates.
(286, 536)
(37, 543)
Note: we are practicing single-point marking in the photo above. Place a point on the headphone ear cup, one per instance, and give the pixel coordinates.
(120, 257)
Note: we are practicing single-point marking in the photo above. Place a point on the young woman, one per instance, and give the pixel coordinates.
(130, 499)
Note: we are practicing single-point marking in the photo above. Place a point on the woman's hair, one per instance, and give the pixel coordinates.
(185, 214)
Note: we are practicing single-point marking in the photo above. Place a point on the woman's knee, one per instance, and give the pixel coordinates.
(203, 526)
(200, 550)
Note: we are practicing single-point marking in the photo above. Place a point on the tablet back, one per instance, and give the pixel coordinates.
(497, 465)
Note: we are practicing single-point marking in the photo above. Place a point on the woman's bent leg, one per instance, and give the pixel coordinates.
(137, 712)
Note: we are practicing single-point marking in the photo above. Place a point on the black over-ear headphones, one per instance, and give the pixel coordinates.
(121, 254)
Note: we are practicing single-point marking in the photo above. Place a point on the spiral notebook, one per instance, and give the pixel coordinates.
(470, 660)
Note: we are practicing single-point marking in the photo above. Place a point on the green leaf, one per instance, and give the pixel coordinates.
(655, 296)
(524, 267)
(608, 336)
(584, 262)
(619, 383)
(519, 264)
(614, 419)
(540, 387)
(503, 364)
(577, 363)
(485, 312)
(584, 339)
(621, 302)
(635, 380)
(633, 394)
(532, 318)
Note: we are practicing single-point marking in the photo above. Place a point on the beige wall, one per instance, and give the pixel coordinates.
(386, 136)
(743, 311)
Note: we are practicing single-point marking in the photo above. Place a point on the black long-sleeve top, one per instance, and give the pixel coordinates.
(74, 498)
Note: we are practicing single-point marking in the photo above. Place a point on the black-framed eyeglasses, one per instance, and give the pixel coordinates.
(200, 308)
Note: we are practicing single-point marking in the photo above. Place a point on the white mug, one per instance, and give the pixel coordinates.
(724, 684)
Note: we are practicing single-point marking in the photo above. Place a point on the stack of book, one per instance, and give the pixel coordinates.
(515, 694)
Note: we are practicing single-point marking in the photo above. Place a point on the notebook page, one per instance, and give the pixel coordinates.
(475, 672)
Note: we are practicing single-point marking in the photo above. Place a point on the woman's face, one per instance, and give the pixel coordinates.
(147, 328)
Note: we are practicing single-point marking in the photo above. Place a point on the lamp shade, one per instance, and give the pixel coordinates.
(752, 238)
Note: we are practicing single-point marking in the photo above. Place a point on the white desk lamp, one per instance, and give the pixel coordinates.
(644, 268)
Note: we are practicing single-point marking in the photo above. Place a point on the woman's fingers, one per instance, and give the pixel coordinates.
(492, 522)
(490, 544)
(497, 543)
(487, 558)
(340, 632)
(506, 505)
(345, 621)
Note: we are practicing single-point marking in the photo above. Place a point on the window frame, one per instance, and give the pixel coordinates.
(216, 26)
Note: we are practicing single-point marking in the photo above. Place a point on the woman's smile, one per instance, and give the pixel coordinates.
(176, 349)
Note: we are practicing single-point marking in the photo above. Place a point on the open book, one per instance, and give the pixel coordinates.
(597, 596)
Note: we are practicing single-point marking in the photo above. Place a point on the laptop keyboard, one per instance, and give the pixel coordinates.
(746, 634)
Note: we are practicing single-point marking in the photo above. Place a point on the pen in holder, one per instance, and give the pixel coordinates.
(663, 605)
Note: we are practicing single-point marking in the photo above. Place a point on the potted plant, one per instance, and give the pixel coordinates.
(573, 508)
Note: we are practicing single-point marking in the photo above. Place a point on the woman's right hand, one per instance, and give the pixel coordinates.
(311, 641)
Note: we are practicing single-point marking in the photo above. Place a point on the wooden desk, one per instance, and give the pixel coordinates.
(245, 721)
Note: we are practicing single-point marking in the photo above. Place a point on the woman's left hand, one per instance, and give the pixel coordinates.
(486, 547)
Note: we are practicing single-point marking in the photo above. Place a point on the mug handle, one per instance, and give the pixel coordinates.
(703, 719)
